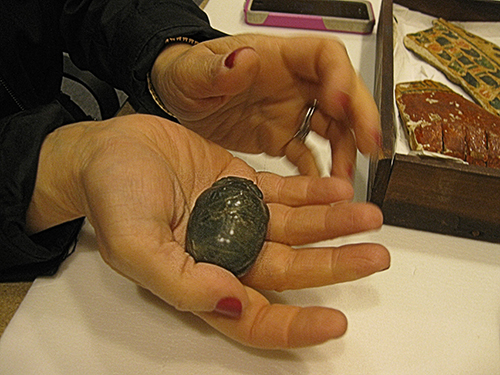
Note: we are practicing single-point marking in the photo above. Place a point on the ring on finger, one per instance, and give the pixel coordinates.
(305, 126)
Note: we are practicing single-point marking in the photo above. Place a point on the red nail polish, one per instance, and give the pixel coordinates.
(350, 172)
(230, 307)
(229, 61)
(378, 138)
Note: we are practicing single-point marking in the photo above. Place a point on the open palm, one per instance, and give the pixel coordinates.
(137, 180)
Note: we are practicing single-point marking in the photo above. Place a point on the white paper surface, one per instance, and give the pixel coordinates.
(435, 311)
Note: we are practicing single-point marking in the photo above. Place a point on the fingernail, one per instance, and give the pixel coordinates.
(230, 307)
(229, 61)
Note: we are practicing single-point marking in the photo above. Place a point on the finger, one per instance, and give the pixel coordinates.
(325, 65)
(365, 120)
(333, 75)
(353, 107)
(275, 326)
(345, 98)
(302, 190)
(301, 156)
(280, 267)
(343, 150)
(309, 224)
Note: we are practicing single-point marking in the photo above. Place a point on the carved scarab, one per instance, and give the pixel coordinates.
(228, 225)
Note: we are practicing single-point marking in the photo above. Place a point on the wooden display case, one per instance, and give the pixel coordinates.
(425, 193)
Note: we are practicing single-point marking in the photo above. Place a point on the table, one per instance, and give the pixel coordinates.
(435, 311)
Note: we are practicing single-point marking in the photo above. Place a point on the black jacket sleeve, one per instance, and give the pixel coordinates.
(118, 40)
(23, 257)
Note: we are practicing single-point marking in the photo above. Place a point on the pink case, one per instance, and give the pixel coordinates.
(301, 21)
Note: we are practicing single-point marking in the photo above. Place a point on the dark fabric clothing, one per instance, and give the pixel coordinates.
(118, 41)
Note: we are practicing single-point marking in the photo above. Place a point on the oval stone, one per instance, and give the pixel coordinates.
(228, 225)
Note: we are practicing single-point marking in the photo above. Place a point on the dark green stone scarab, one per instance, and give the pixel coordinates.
(228, 225)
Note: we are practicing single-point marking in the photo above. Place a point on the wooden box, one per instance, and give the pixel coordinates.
(424, 193)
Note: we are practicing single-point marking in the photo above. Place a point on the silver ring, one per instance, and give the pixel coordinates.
(305, 127)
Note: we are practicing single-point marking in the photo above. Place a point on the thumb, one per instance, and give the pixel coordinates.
(209, 79)
(227, 74)
(174, 276)
(198, 287)
(241, 67)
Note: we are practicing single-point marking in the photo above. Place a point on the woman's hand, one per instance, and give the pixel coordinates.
(136, 178)
(251, 92)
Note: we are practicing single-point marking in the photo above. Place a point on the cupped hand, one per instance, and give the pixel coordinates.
(136, 178)
(250, 93)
